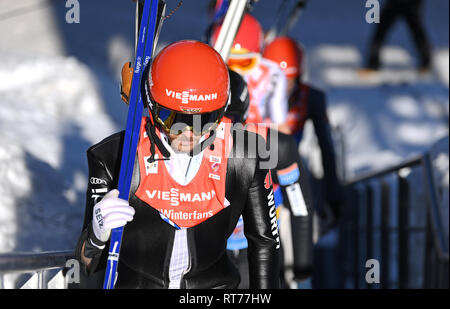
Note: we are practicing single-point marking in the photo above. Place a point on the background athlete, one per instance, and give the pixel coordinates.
(291, 188)
(307, 103)
(265, 80)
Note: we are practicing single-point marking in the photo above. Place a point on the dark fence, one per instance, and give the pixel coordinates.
(33, 263)
(392, 224)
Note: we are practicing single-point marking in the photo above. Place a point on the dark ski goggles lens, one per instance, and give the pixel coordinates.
(175, 122)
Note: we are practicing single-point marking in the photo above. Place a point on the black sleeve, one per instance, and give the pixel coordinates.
(318, 114)
(103, 163)
(290, 169)
(261, 230)
(291, 175)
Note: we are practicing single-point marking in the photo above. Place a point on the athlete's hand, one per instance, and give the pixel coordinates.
(111, 212)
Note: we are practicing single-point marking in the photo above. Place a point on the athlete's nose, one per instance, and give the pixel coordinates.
(187, 133)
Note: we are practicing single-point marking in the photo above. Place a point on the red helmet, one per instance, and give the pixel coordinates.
(287, 53)
(186, 78)
(245, 53)
(249, 38)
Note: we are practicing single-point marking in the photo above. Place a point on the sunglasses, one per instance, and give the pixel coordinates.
(175, 122)
(243, 62)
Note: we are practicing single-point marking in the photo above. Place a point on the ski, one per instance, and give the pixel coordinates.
(293, 17)
(149, 26)
(139, 9)
(230, 26)
(287, 17)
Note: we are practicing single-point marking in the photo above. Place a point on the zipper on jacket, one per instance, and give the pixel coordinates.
(166, 277)
(183, 283)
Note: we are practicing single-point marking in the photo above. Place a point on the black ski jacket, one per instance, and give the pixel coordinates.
(148, 240)
(316, 111)
(301, 226)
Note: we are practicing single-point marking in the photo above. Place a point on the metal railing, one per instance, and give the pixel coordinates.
(393, 216)
(33, 263)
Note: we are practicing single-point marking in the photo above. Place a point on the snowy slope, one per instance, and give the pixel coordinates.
(48, 119)
(58, 95)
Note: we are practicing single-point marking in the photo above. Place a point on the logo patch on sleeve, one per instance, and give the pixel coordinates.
(289, 175)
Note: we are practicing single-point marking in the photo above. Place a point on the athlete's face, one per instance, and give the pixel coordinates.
(291, 84)
(184, 142)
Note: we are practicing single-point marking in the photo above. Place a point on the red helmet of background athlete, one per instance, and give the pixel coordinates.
(249, 38)
(186, 78)
(246, 49)
(287, 53)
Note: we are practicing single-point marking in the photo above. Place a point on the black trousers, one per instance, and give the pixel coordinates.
(393, 10)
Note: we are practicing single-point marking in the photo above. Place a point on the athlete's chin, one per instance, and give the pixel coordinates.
(184, 146)
(184, 143)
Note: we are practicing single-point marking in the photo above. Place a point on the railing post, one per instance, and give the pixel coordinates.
(369, 228)
(403, 224)
(393, 231)
(42, 284)
(436, 261)
(385, 231)
(428, 261)
(348, 238)
(443, 282)
(361, 246)
(355, 238)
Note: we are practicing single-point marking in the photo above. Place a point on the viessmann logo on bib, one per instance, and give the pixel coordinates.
(175, 197)
(187, 97)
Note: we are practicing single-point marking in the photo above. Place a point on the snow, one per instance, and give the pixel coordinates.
(59, 95)
(47, 123)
